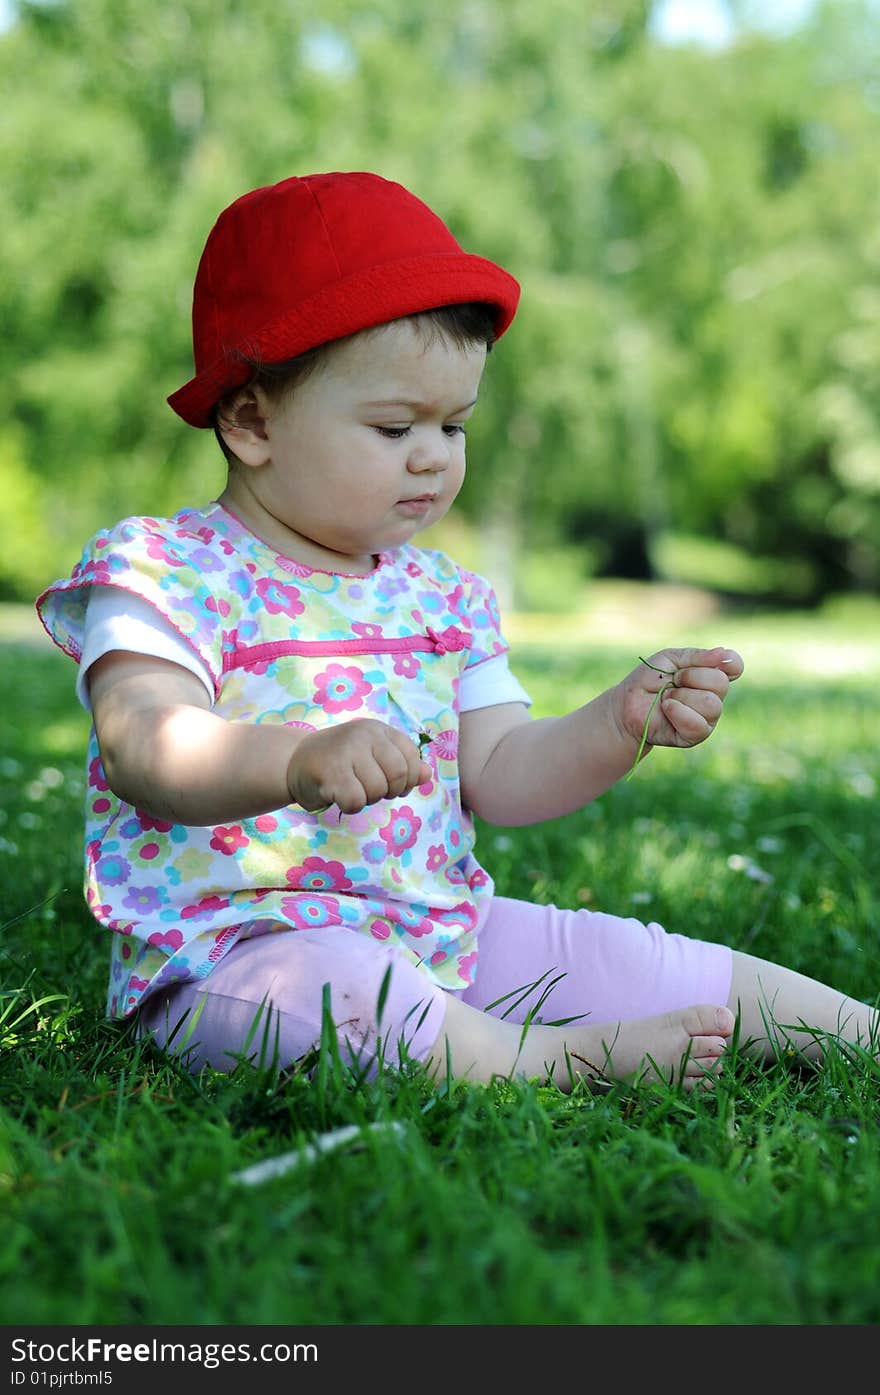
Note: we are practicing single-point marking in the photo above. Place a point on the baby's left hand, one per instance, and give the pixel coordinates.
(689, 710)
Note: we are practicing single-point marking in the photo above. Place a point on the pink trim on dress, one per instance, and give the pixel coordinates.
(448, 641)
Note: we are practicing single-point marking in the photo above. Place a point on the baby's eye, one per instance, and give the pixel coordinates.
(394, 433)
(455, 429)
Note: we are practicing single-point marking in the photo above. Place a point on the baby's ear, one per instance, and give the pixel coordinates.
(242, 425)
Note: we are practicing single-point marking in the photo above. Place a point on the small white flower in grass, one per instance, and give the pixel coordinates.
(737, 863)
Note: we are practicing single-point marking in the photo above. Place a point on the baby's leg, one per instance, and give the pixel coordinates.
(684, 1046)
(781, 1010)
(638, 1001)
(267, 995)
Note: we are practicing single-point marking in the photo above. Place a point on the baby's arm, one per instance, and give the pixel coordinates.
(165, 751)
(516, 771)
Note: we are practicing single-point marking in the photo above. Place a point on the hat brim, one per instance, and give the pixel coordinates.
(361, 301)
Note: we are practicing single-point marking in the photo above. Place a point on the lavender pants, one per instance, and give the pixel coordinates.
(268, 992)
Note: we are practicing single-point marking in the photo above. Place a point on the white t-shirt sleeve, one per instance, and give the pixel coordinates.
(118, 620)
(489, 683)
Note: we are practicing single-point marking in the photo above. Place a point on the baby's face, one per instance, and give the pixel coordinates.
(368, 450)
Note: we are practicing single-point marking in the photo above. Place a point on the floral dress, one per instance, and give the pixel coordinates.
(289, 645)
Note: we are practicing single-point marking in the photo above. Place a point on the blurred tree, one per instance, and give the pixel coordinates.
(695, 233)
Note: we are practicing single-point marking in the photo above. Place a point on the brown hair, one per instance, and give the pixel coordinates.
(465, 325)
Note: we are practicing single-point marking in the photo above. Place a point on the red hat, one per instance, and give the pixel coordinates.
(313, 258)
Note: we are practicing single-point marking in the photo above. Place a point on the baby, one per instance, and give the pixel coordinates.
(298, 710)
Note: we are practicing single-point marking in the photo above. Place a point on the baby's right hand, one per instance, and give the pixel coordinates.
(353, 765)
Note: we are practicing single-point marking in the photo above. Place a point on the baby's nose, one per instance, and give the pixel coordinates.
(431, 452)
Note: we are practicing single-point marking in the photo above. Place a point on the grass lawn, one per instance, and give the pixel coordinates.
(509, 1204)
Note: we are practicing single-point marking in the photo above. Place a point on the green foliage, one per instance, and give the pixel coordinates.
(694, 231)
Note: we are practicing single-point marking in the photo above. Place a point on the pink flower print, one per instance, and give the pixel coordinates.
(413, 569)
(205, 533)
(340, 689)
(279, 598)
(204, 908)
(412, 923)
(99, 909)
(401, 830)
(463, 915)
(156, 548)
(265, 823)
(309, 913)
(367, 631)
(113, 870)
(146, 822)
(217, 606)
(100, 572)
(166, 939)
(96, 775)
(436, 857)
(477, 879)
(445, 745)
(145, 899)
(229, 840)
(467, 966)
(407, 665)
(136, 986)
(317, 875)
(456, 602)
(380, 929)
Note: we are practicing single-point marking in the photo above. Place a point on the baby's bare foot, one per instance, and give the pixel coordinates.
(683, 1047)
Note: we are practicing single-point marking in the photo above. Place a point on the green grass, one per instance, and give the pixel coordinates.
(509, 1204)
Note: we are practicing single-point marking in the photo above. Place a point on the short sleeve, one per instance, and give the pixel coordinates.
(490, 683)
(163, 564)
(484, 620)
(117, 619)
